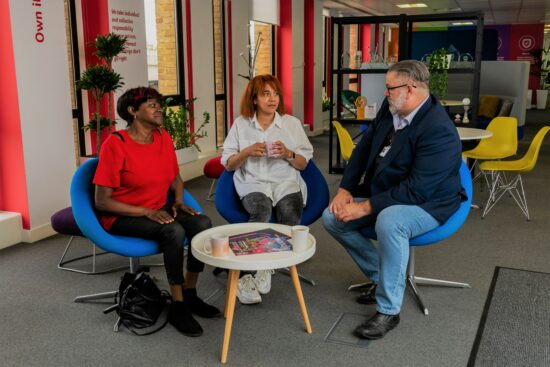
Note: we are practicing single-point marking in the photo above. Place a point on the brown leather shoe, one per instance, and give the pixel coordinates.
(368, 297)
(377, 326)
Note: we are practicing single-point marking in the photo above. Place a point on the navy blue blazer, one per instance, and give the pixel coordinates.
(421, 168)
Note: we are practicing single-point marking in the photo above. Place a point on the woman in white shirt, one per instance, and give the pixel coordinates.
(266, 148)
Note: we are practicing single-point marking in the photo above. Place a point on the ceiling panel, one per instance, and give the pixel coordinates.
(495, 11)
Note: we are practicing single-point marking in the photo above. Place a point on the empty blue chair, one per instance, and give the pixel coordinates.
(432, 237)
(82, 198)
(230, 207)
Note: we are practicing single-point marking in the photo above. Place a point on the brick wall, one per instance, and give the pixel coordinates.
(166, 47)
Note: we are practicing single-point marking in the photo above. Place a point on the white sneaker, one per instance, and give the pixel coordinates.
(263, 280)
(247, 292)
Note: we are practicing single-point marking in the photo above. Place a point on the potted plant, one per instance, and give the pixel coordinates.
(326, 107)
(177, 123)
(541, 69)
(104, 129)
(438, 63)
(108, 47)
(99, 80)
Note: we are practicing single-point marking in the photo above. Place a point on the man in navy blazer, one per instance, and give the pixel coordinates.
(401, 181)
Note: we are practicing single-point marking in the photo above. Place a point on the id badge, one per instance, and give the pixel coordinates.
(384, 151)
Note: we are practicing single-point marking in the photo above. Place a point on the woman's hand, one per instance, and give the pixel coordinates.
(279, 150)
(179, 205)
(256, 150)
(159, 216)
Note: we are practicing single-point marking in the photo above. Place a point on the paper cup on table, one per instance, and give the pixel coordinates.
(299, 238)
(218, 246)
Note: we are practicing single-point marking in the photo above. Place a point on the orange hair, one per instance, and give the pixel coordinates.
(254, 88)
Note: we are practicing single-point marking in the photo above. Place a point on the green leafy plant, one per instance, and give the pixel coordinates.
(176, 123)
(541, 66)
(99, 80)
(438, 65)
(107, 48)
(92, 126)
(325, 103)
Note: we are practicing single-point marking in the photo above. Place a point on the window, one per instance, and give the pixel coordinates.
(261, 47)
(219, 71)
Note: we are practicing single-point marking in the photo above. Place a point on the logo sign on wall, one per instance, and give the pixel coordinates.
(526, 42)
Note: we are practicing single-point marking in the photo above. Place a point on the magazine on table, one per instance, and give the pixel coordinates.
(259, 242)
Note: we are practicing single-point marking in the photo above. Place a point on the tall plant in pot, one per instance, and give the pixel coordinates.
(108, 47)
(99, 80)
(438, 63)
(177, 120)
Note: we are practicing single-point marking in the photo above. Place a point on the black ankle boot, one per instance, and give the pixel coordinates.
(179, 315)
(198, 306)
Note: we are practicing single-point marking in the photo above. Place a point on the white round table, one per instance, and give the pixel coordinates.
(235, 264)
(470, 133)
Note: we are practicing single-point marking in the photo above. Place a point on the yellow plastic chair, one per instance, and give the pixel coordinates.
(503, 143)
(345, 140)
(500, 185)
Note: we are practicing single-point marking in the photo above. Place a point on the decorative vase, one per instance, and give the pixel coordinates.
(542, 96)
(187, 155)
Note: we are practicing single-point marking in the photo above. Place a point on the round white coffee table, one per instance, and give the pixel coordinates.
(470, 133)
(235, 264)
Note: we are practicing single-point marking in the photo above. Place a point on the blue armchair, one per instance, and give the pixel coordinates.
(82, 198)
(432, 237)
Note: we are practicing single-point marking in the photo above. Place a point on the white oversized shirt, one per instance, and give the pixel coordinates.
(274, 177)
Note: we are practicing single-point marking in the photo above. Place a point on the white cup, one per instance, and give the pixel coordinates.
(299, 238)
(218, 246)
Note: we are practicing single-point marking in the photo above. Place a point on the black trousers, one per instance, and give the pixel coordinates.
(169, 237)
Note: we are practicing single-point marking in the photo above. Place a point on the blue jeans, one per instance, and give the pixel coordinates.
(386, 263)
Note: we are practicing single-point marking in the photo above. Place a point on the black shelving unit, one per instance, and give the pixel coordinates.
(405, 27)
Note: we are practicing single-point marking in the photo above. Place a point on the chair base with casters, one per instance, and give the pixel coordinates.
(230, 207)
(431, 237)
(63, 222)
(501, 185)
(82, 198)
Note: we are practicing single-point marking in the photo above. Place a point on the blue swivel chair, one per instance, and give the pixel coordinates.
(82, 198)
(230, 208)
(432, 237)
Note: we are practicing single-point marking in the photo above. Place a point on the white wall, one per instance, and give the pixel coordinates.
(240, 13)
(202, 41)
(45, 109)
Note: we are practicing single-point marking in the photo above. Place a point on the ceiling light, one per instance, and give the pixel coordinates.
(415, 5)
(462, 23)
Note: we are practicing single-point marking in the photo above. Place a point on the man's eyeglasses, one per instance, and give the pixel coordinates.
(389, 89)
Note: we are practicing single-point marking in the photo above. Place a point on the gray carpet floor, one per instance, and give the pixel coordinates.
(41, 326)
(515, 326)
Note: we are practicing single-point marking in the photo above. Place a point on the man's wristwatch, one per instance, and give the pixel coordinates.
(291, 158)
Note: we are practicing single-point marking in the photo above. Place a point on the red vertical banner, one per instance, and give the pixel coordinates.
(13, 180)
(229, 62)
(524, 40)
(309, 93)
(284, 52)
(95, 19)
(365, 41)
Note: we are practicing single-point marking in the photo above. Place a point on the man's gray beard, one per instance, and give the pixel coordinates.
(393, 109)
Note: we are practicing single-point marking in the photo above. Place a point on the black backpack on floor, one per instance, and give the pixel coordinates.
(140, 304)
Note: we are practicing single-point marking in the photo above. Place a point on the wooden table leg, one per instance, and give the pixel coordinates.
(230, 274)
(298, 287)
(229, 310)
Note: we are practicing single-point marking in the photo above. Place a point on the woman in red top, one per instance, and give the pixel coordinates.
(137, 167)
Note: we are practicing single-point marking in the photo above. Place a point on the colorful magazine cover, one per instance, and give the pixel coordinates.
(259, 242)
